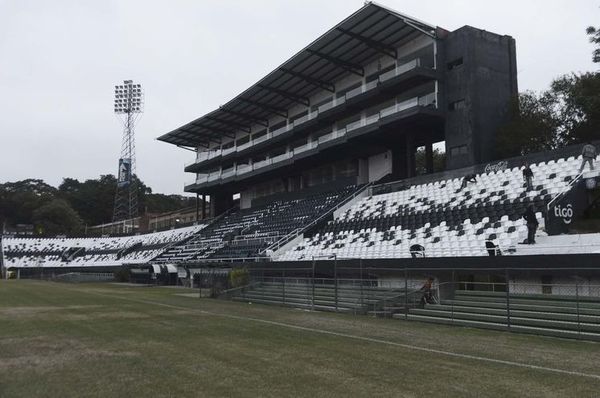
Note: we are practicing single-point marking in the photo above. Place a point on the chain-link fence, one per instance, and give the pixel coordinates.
(564, 303)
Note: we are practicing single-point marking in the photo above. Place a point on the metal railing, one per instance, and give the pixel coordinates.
(299, 231)
(519, 301)
(564, 191)
(213, 221)
(397, 71)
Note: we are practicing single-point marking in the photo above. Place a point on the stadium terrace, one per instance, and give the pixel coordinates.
(324, 192)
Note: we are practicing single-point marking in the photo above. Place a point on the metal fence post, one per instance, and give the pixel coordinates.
(577, 303)
(335, 283)
(283, 283)
(312, 301)
(405, 292)
(453, 297)
(362, 282)
(263, 284)
(200, 284)
(507, 300)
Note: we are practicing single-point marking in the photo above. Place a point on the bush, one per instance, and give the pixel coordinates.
(239, 277)
(122, 275)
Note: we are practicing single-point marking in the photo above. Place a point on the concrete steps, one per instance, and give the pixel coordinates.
(350, 298)
(560, 316)
(504, 327)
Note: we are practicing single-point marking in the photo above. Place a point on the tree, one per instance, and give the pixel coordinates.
(439, 161)
(594, 34)
(532, 126)
(57, 217)
(160, 203)
(19, 199)
(92, 199)
(576, 99)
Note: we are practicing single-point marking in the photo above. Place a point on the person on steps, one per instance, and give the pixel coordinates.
(466, 180)
(528, 176)
(427, 290)
(532, 224)
(588, 155)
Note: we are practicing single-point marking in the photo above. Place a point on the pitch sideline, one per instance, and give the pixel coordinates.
(360, 338)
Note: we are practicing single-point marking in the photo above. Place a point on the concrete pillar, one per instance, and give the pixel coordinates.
(399, 162)
(429, 157)
(410, 155)
(221, 202)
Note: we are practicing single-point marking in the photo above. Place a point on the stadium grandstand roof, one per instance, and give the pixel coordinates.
(370, 32)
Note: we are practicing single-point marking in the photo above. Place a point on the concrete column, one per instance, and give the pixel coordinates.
(429, 157)
(203, 206)
(399, 162)
(410, 155)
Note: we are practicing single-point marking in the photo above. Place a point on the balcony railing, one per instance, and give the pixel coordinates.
(227, 151)
(243, 168)
(397, 71)
(303, 148)
(280, 131)
(213, 176)
(331, 104)
(424, 100)
(241, 147)
(400, 69)
(306, 118)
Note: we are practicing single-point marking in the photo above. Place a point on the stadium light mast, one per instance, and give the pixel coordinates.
(129, 104)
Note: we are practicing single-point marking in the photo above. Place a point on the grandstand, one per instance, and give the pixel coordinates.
(53, 253)
(443, 218)
(313, 181)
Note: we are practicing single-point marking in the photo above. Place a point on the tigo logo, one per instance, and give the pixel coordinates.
(566, 213)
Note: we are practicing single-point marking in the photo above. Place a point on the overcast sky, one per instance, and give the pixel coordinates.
(59, 61)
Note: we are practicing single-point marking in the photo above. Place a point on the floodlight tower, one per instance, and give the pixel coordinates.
(129, 104)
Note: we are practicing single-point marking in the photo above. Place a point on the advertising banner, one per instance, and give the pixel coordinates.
(124, 175)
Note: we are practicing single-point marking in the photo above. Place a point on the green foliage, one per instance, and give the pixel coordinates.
(567, 113)
(532, 126)
(160, 203)
(439, 161)
(576, 99)
(19, 199)
(57, 217)
(92, 200)
(122, 275)
(594, 34)
(239, 277)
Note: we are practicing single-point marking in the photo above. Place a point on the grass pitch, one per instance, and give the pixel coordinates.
(104, 340)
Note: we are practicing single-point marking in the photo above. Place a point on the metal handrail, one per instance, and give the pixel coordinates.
(298, 231)
(565, 190)
(210, 224)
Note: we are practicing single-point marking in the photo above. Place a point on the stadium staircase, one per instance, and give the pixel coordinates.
(244, 235)
(322, 296)
(187, 248)
(541, 314)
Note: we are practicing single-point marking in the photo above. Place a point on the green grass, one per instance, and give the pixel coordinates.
(59, 340)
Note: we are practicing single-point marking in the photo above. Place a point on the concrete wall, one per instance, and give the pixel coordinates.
(558, 285)
(486, 81)
(380, 165)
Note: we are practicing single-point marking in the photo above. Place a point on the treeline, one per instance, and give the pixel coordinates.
(74, 204)
(567, 113)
